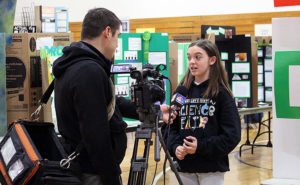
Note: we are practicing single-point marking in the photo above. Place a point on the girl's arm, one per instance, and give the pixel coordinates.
(229, 130)
(173, 141)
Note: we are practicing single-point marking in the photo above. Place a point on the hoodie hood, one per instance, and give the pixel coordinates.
(77, 52)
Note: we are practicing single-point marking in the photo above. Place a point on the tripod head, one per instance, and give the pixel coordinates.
(148, 116)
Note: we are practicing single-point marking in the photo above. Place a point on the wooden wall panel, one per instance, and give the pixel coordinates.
(244, 23)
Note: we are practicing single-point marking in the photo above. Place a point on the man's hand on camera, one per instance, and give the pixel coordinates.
(166, 110)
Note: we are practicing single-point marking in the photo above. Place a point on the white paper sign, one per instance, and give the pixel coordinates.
(61, 15)
(268, 64)
(156, 58)
(260, 69)
(122, 80)
(122, 90)
(44, 41)
(260, 78)
(241, 89)
(268, 79)
(268, 96)
(119, 50)
(263, 29)
(130, 55)
(260, 94)
(240, 68)
(134, 43)
(48, 27)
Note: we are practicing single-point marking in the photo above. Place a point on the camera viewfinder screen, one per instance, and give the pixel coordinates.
(123, 68)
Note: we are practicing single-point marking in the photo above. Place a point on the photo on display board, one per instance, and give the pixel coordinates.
(260, 69)
(240, 57)
(260, 93)
(268, 51)
(125, 28)
(241, 102)
(245, 77)
(260, 78)
(260, 53)
(268, 64)
(228, 33)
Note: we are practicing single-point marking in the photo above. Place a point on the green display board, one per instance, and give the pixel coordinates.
(138, 49)
(182, 60)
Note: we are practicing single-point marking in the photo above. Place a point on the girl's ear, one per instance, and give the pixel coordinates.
(212, 60)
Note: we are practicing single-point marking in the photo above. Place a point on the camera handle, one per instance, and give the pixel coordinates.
(139, 164)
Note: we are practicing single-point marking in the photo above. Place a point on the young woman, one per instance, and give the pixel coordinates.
(208, 126)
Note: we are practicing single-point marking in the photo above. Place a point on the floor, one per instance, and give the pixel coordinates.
(249, 169)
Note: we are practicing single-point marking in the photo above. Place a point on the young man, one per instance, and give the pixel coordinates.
(82, 94)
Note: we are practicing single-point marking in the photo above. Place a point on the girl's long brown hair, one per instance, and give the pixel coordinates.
(217, 73)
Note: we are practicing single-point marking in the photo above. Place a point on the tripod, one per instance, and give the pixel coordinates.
(139, 164)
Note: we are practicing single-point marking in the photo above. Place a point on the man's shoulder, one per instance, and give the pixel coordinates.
(87, 64)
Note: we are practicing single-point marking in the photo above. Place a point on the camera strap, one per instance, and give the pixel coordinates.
(112, 103)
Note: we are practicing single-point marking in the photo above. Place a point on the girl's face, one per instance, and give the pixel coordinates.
(199, 63)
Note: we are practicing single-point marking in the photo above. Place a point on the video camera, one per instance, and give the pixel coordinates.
(144, 92)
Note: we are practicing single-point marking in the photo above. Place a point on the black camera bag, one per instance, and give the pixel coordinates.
(31, 154)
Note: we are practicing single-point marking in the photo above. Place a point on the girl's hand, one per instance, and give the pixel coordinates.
(190, 147)
(180, 152)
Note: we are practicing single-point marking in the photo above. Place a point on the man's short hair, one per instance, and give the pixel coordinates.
(96, 20)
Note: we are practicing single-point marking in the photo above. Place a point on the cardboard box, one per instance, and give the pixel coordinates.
(173, 65)
(24, 73)
(181, 38)
(22, 92)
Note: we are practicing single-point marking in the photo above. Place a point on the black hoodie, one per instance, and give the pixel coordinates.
(215, 123)
(82, 94)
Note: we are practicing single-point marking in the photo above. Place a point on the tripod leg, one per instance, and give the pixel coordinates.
(148, 143)
(139, 164)
(172, 165)
(132, 173)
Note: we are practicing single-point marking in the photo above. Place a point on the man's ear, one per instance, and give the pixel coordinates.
(107, 32)
(212, 60)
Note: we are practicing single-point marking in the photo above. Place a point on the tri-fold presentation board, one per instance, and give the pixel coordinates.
(265, 77)
(138, 49)
(237, 56)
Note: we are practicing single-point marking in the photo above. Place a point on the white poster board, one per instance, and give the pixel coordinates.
(286, 132)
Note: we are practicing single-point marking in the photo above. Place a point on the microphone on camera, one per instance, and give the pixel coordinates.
(178, 98)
